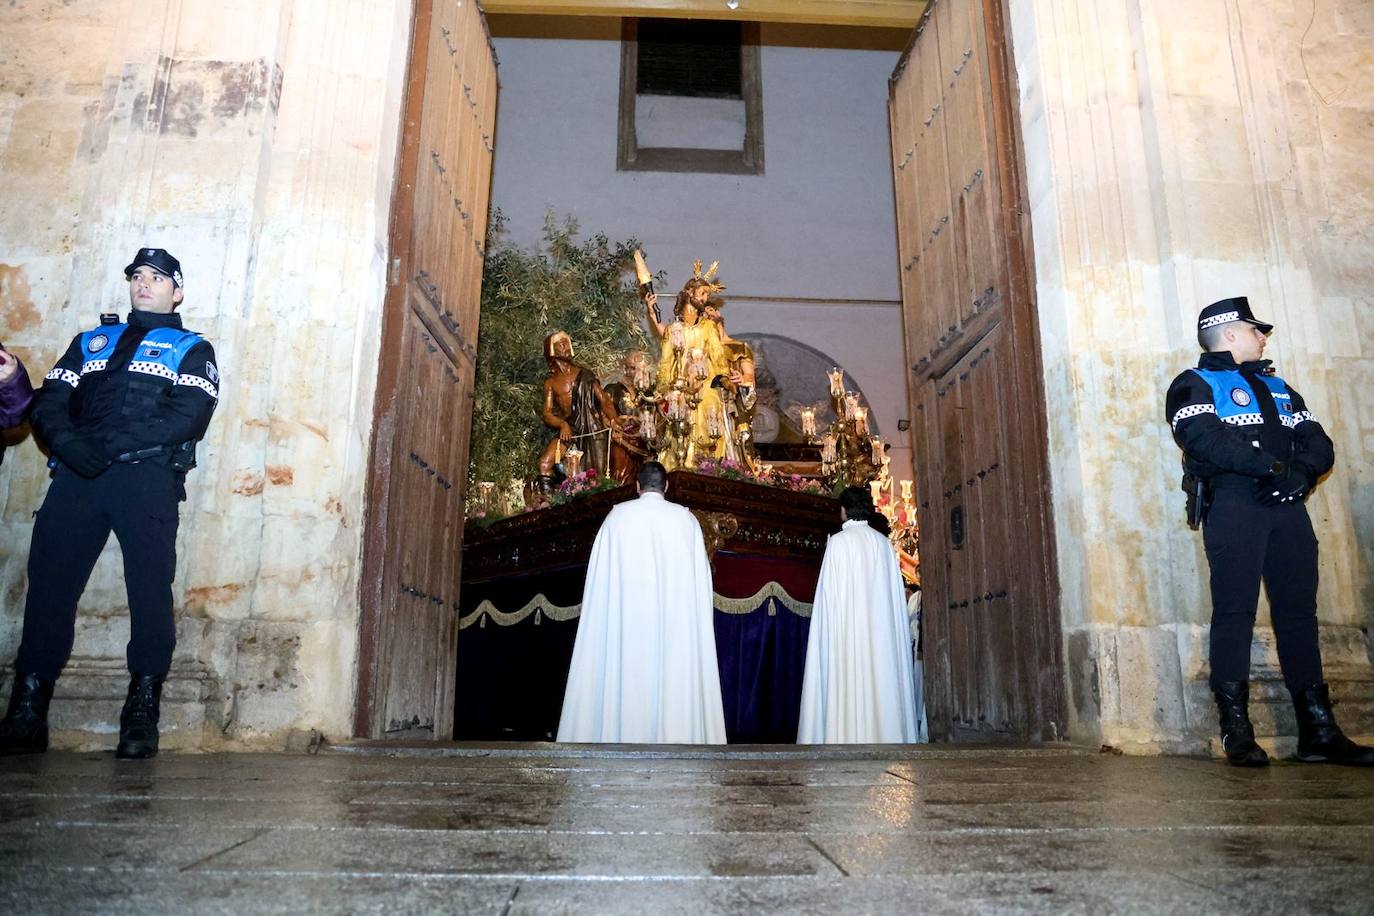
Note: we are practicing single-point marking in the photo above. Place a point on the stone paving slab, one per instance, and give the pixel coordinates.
(877, 830)
(1316, 891)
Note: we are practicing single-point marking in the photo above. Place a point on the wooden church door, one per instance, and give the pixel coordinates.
(990, 588)
(414, 526)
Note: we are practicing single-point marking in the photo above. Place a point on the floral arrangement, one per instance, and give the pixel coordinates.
(583, 483)
(799, 484)
(729, 469)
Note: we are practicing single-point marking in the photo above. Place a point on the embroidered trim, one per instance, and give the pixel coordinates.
(772, 596)
(536, 605)
(63, 375)
(1223, 318)
(197, 382)
(1192, 410)
(1245, 419)
(771, 592)
(153, 369)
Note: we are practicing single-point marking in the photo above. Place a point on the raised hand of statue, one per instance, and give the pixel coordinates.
(565, 433)
(651, 310)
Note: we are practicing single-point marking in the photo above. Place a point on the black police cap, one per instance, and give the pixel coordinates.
(1225, 311)
(159, 260)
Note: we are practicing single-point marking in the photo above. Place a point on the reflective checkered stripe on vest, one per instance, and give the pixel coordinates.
(153, 369)
(1234, 400)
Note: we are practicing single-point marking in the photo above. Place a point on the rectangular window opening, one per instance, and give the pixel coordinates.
(685, 57)
(690, 97)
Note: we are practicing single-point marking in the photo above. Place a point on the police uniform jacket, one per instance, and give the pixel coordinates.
(1234, 421)
(130, 387)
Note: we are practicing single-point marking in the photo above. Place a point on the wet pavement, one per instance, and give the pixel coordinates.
(522, 829)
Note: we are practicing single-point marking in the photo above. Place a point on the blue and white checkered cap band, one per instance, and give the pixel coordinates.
(1223, 318)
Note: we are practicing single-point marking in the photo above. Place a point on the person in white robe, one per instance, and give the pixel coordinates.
(858, 686)
(644, 664)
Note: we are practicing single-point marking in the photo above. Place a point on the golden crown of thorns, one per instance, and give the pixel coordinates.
(708, 278)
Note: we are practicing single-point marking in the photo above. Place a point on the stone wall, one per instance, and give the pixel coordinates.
(1179, 152)
(255, 139)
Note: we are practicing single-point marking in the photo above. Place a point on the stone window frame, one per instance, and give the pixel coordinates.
(631, 157)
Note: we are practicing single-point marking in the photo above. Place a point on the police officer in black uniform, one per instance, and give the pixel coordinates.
(1252, 451)
(121, 413)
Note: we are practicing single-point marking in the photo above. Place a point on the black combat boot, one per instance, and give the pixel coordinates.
(138, 720)
(1320, 739)
(24, 730)
(1237, 734)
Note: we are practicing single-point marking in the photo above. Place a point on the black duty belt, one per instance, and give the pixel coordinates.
(143, 453)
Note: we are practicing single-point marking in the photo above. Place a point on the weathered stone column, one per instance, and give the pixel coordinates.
(256, 140)
(1179, 152)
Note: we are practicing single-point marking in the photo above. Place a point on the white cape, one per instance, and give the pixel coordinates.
(644, 666)
(858, 684)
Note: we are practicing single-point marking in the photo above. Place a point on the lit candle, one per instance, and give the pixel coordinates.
(698, 363)
(648, 423)
(677, 335)
(851, 404)
(836, 381)
(906, 491)
(643, 377)
(875, 447)
(572, 462)
(875, 490)
(808, 417)
(861, 420)
(677, 405)
(828, 449)
(713, 423)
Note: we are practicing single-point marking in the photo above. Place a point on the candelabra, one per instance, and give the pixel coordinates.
(849, 455)
(484, 494)
(572, 462)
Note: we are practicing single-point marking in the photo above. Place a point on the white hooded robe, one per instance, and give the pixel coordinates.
(644, 664)
(858, 687)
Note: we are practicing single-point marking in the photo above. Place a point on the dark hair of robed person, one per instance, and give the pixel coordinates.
(653, 476)
(857, 503)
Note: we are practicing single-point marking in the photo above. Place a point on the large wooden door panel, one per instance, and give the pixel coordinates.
(413, 545)
(990, 613)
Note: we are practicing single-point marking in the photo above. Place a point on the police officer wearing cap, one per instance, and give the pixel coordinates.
(1253, 451)
(121, 413)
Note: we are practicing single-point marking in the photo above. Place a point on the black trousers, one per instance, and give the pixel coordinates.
(1248, 542)
(138, 502)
